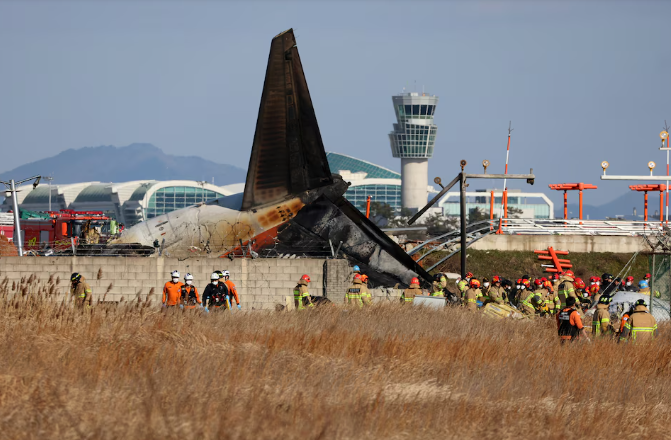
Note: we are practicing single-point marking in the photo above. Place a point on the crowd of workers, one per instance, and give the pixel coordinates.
(561, 295)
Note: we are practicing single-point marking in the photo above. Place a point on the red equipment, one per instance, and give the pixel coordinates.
(645, 188)
(571, 187)
(57, 231)
(557, 264)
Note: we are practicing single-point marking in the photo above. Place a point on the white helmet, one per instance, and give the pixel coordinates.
(214, 276)
(188, 277)
(226, 273)
(175, 274)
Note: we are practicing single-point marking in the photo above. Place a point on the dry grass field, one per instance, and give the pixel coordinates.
(388, 372)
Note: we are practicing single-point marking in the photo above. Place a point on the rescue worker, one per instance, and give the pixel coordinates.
(580, 293)
(566, 289)
(353, 296)
(189, 297)
(541, 298)
(232, 291)
(528, 302)
(608, 286)
(463, 284)
(214, 295)
(436, 286)
(641, 325)
(409, 294)
(601, 319)
(647, 277)
(81, 291)
(552, 301)
(355, 270)
(172, 290)
(507, 290)
(569, 323)
(301, 294)
(555, 282)
(485, 290)
(629, 285)
(643, 287)
(366, 297)
(443, 281)
(497, 293)
(472, 294)
(625, 318)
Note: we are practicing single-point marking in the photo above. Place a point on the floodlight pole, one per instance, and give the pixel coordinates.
(18, 241)
(461, 178)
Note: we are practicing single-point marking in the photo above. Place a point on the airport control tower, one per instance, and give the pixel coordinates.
(412, 140)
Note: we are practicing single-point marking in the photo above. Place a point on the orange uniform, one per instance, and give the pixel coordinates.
(232, 290)
(172, 293)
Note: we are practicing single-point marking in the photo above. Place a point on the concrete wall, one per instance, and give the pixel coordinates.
(261, 283)
(572, 243)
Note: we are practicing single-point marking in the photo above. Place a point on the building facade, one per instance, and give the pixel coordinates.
(413, 140)
(531, 205)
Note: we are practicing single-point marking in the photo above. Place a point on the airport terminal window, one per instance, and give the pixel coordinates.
(169, 199)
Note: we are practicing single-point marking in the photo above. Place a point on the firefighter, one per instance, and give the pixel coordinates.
(411, 292)
(643, 287)
(565, 288)
(541, 298)
(189, 297)
(232, 291)
(443, 281)
(552, 300)
(214, 295)
(601, 319)
(436, 286)
(472, 294)
(641, 325)
(486, 286)
(608, 286)
(301, 294)
(507, 290)
(528, 302)
(463, 284)
(569, 323)
(629, 285)
(353, 296)
(366, 297)
(172, 290)
(496, 293)
(625, 318)
(81, 291)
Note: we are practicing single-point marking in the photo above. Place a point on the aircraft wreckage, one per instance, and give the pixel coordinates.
(291, 200)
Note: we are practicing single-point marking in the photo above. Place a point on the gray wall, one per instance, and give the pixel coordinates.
(572, 243)
(262, 283)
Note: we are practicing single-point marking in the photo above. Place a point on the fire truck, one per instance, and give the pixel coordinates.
(59, 230)
(7, 225)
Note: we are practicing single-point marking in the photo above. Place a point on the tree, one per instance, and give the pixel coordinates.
(438, 224)
(514, 212)
(381, 213)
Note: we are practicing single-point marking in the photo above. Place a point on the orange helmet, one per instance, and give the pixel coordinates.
(306, 278)
(594, 289)
(525, 281)
(364, 278)
(414, 281)
(475, 283)
(569, 273)
(496, 279)
(579, 283)
(547, 284)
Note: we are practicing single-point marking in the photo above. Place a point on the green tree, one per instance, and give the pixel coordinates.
(381, 213)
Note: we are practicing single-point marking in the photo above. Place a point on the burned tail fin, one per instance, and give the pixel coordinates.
(288, 155)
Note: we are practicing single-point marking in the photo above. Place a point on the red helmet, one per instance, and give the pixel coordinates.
(647, 276)
(593, 289)
(629, 278)
(496, 279)
(555, 276)
(538, 282)
(593, 279)
(469, 275)
(569, 273)
(305, 278)
(544, 279)
(580, 284)
(414, 281)
(357, 276)
(519, 281)
(475, 283)
(525, 281)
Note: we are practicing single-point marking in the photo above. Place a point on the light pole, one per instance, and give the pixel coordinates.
(11, 186)
(461, 178)
(49, 179)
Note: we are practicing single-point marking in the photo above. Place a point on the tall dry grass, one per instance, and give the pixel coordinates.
(133, 371)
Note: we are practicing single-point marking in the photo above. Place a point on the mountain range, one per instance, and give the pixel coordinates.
(108, 163)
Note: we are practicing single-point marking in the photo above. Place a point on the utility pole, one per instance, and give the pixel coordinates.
(462, 178)
(49, 179)
(11, 186)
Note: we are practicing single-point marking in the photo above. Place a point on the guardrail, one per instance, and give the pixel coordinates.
(579, 227)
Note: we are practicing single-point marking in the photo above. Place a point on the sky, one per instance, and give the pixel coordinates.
(581, 81)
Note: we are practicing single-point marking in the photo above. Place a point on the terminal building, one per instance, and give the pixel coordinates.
(531, 205)
(128, 203)
(412, 141)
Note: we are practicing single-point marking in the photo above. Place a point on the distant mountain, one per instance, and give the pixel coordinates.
(621, 206)
(121, 164)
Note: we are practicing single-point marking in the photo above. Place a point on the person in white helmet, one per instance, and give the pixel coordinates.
(214, 295)
(172, 290)
(189, 297)
(226, 279)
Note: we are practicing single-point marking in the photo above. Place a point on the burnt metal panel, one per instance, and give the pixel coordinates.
(288, 155)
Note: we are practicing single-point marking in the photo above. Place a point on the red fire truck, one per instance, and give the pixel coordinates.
(7, 225)
(57, 229)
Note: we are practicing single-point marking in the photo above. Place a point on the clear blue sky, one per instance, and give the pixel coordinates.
(581, 81)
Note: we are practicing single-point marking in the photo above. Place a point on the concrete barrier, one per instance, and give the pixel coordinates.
(571, 243)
